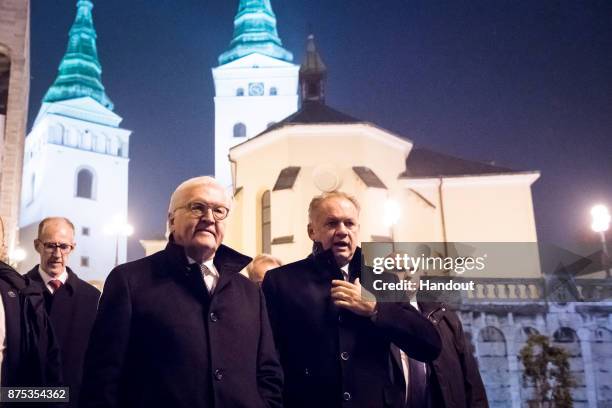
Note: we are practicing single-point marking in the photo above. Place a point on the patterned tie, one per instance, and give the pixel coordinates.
(55, 284)
(209, 278)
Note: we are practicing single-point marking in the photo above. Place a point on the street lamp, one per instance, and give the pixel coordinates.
(601, 223)
(17, 255)
(119, 227)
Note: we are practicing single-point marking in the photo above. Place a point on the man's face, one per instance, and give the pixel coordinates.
(54, 260)
(199, 235)
(335, 225)
(260, 268)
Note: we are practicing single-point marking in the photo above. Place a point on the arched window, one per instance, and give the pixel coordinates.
(273, 91)
(266, 223)
(85, 184)
(240, 92)
(5, 72)
(239, 130)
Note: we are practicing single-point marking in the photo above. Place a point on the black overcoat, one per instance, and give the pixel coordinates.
(332, 357)
(160, 340)
(72, 310)
(32, 355)
(454, 379)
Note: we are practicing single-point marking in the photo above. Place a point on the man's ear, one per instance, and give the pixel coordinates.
(310, 231)
(38, 246)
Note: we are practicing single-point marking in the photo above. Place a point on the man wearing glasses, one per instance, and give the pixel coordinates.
(70, 302)
(182, 327)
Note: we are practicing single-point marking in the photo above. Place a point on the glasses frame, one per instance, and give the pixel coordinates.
(50, 247)
(195, 212)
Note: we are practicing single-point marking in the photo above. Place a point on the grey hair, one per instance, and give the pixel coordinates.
(316, 202)
(194, 182)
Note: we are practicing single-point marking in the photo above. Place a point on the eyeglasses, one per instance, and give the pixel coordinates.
(198, 210)
(50, 247)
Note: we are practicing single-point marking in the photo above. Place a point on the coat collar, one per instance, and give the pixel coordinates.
(326, 266)
(71, 282)
(227, 261)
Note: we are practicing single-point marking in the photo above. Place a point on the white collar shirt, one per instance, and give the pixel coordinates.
(63, 277)
(209, 273)
(345, 272)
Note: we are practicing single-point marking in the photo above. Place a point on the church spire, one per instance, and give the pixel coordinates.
(312, 73)
(255, 31)
(79, 73)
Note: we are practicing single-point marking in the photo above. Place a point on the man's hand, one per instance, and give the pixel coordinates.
(352, 297)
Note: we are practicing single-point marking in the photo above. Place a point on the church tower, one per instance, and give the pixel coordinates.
(255, 82)
(76, 159)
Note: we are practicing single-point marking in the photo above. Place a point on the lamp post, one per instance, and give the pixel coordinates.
(119, 227)
(601, 223)
(17, 255)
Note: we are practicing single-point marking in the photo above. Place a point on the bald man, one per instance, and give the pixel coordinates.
(70, 302)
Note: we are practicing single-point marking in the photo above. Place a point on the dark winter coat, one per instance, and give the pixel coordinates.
(332, 357)
(32, 355)
(72, 310)
(160, 340)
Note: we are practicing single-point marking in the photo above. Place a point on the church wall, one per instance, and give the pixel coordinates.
(255, 111)
(52, 159)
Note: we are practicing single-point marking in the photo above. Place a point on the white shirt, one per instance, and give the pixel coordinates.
(2, 334)
(209, 273)
(47, 278)
(345, 272)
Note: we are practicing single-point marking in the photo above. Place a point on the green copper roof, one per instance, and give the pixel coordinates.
(255, 31)
(80, 72)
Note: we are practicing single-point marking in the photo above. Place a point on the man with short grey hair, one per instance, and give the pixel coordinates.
(183, 328)
(333, 341)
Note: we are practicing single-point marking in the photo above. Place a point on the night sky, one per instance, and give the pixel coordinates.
(526, 84)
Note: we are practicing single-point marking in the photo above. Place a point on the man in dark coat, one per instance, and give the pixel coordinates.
(334, 343)
(182, 328)
(453, 378)
(71, 303)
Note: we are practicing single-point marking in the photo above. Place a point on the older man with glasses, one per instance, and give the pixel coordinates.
(70, 302)
(182, 327)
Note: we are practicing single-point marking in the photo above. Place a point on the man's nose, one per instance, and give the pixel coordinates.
(208, 215)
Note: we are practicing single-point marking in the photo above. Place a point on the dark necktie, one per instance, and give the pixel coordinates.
(417, 388)
(55, 284)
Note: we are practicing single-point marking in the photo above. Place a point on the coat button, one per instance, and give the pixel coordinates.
(340, 319)
(218, 375)
(306, 372)
(346, 396)
(344, 355)
(214, 317)
(444, 309)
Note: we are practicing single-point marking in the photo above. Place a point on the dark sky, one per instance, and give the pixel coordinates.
(527, 84)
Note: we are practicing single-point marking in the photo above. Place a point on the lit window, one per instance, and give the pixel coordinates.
(273, 91)
(85, 261)
(85, 231)
(240, 92)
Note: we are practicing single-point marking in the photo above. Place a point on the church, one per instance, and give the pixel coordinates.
(277, 144)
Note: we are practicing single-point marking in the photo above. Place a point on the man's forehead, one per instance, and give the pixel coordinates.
(337, 207)
(55, 227)
(206, 192)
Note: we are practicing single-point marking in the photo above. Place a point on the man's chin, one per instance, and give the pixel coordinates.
(343, 257)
